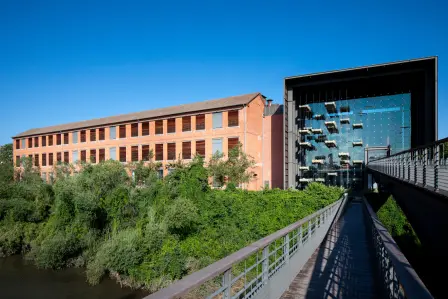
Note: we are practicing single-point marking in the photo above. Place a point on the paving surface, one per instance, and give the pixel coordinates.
(343, 265)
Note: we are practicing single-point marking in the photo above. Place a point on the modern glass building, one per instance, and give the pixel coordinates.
(336, 122)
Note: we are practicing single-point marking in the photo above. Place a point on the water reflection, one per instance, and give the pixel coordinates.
(19, 279)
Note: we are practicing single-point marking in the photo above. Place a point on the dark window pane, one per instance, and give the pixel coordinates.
(145, 152)
(58, 139)
(50, 159)
(101, 134)
(134, 153)
(65, 138)
(83, 156)
(59, 157)
(159, 152)
(200, 147)
(122, 131)
(186, 123)
(171, 125)
(50, 140)
(123, 154)
(186, 150)
(232, 142)
(93, 135)
(83, 136)
(200, 122)
(36, 141)
(17, 144)
(171, 151)
(134, 130)
(102, 154)
(233, 118)
(44, 141)
(145, 128)
(30, 142)
(17, 161)
(159, 126)
(93, 156)
(44, 159)
(66, 159)
(36, 160)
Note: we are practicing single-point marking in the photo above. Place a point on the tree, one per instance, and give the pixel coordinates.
(235, 169)
(6, 163)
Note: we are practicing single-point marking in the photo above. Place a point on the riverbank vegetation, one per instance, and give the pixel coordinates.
(144, 231)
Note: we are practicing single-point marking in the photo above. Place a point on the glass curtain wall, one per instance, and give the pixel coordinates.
(334, 135)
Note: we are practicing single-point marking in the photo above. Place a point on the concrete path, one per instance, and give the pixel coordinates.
(343, 266)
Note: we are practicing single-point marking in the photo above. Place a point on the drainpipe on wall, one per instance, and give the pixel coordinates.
(262, 148)
(245, 128)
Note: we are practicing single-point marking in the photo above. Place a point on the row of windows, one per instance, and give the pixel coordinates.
(99, 134)
(136, 150)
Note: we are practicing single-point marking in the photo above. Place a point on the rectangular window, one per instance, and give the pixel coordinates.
(112, 133)
(101, 134)
(171, 123)
(23, 143)
(75, 156)
(216, 145)
(186, 124)
(159, 152)
(200, 122)
(134, 130)
(232, 118)
(75, 137)
(122, 131)
(17, 161)
(83, 156)
(36, 141)
(66, 158)
(145, 128)
(145, 152)
(93, 156)
(44, 159)
(217, 120)
(17, 144)
(231, 143)
(160, 173)
(113, 153)
(200, 148)
(102, 154)
(159, 127)
(50, 175)
(58, 139)
(44, 141)
(50, 159)
(171, 151)
(59, 157)
(186, 150)
(30, 142)
(122, 154)
(65, 138)
(36, 160)
(134, 153)
(83, 136)
(50, 140)
(92, 134)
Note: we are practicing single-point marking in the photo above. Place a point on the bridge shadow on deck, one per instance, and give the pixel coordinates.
(343, 266)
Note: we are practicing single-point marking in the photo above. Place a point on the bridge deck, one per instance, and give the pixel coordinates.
(343, 265)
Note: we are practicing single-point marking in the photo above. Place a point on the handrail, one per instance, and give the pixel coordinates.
(400, 279)
(319, 219)
(437, 142)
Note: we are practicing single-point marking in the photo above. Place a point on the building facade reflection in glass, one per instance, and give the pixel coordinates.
(334, 135)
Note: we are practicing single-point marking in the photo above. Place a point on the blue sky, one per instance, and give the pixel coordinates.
(63, 62)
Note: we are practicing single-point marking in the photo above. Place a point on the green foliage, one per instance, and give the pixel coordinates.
(145, 231)
(235, 169)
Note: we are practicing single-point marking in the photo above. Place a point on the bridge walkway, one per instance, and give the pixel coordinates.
(343, 265)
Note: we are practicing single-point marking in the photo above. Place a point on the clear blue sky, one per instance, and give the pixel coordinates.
(63, 62)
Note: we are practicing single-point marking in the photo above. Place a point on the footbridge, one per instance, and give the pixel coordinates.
(341, 251)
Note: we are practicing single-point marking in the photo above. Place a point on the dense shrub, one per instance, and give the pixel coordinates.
(144, 231)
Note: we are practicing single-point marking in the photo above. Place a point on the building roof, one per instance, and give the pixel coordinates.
(233, 101)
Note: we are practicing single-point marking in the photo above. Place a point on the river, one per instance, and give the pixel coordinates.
(20, 279)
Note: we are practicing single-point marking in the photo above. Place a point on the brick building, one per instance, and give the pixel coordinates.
(179, 131)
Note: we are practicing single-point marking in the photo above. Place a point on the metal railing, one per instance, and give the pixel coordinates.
(263, 269)
(398, 278)
(425, 166)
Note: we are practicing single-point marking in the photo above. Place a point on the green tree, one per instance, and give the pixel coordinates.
(234, 170)
(6, 163)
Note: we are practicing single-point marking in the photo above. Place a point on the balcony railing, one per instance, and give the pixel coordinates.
(425, 166)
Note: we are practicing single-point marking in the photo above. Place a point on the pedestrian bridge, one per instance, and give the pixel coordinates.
(341, 251)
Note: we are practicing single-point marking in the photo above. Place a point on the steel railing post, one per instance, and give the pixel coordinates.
(436, 167)
(415, 166)
(286, 253)
(265, 265)
(425, 163)
(227, 283)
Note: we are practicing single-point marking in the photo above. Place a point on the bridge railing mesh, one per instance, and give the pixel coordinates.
(263, 269)
(396, 275)
(425, 166)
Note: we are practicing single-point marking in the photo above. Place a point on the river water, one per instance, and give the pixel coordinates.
(20, 279)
